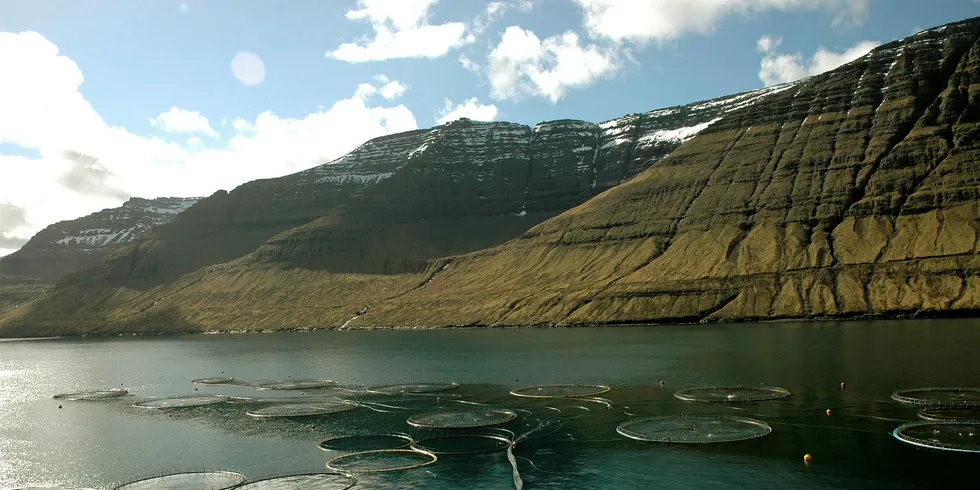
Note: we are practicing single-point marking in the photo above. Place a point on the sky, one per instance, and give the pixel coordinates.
(104, 100)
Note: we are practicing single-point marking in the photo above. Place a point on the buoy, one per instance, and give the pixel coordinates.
(843, 385)
(195, 389)
(828, 411)
(59, 406)
(661, 382)
(807, 458)
(515, 379)
(313, 427)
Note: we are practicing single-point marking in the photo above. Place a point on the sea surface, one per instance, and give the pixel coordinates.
(563, 443)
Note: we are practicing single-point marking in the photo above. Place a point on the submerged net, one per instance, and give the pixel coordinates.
(951, 414)
(92, 395)
(354, 444)
(732, 393)
(461, 419)
(413, 388)
(939, 397)
(381, 461)
(693, 429)
(303, 409)
(297, 384)
(462, 445)
(560, 391)
(963, 437)
(187, 401)
(317, 481)
(203, 480)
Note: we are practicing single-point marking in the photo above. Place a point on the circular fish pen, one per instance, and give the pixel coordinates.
(356, 444)
(291, 410)
(461, 419)
(960, 437)
(309, 481)
(463, 444)
(187, 401)
(92, 395)
(693, 429)
(380, 461)
(560, 391)
(297, 384)
(413, 388)
(950, 414)
(203, 480)
(939, 397)
(732, 394)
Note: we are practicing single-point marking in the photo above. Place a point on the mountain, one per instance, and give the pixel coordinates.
(69, 246)
(847, 194)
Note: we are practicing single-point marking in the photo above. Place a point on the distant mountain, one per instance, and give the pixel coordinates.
(69, 246)
(847, 194)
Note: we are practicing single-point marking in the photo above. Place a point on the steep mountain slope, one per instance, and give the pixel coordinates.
(854, 193)
(329, 240)
(69, 246)
(849, 193)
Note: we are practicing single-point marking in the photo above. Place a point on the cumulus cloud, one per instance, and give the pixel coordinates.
(11, 218)
(392, 90)
(178, 120)
(469, 108)
(401, 30)
(522, 64)
(776, 68)
(642, 21)
(84, 164)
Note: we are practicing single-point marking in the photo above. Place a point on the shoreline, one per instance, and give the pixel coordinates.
(914, 315)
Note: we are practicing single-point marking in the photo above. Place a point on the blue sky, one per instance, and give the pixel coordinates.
(146, 92)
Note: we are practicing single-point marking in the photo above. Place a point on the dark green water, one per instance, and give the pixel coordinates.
(98, 444)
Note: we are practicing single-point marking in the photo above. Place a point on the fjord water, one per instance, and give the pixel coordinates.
(98, 444)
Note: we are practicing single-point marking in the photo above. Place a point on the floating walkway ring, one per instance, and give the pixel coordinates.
(693, 429)
(401, 460)
(349, 444)
(560, 391)
(461, 419)
(732, 394)
(939, 397)
(958, 437)
(497, 443)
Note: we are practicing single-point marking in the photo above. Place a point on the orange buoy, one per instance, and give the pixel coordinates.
(828, 411)
(843, 385)
(807, 458)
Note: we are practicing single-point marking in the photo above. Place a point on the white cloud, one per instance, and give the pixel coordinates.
(86, 164)
(393, 90)
(178, 120)
(642, 21)
(776, 68)
(469, 64)
(522, 64)
(496, 10)
(470, 108)
(401, 30)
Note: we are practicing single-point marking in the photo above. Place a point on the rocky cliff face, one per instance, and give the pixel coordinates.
(850, 193)
(845, 194)
(69, 246)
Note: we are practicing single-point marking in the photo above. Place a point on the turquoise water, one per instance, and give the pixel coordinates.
(573, 443)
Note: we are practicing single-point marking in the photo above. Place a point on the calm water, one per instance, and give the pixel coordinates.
(98, 444)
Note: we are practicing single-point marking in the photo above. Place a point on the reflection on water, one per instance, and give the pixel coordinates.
(562, 443)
